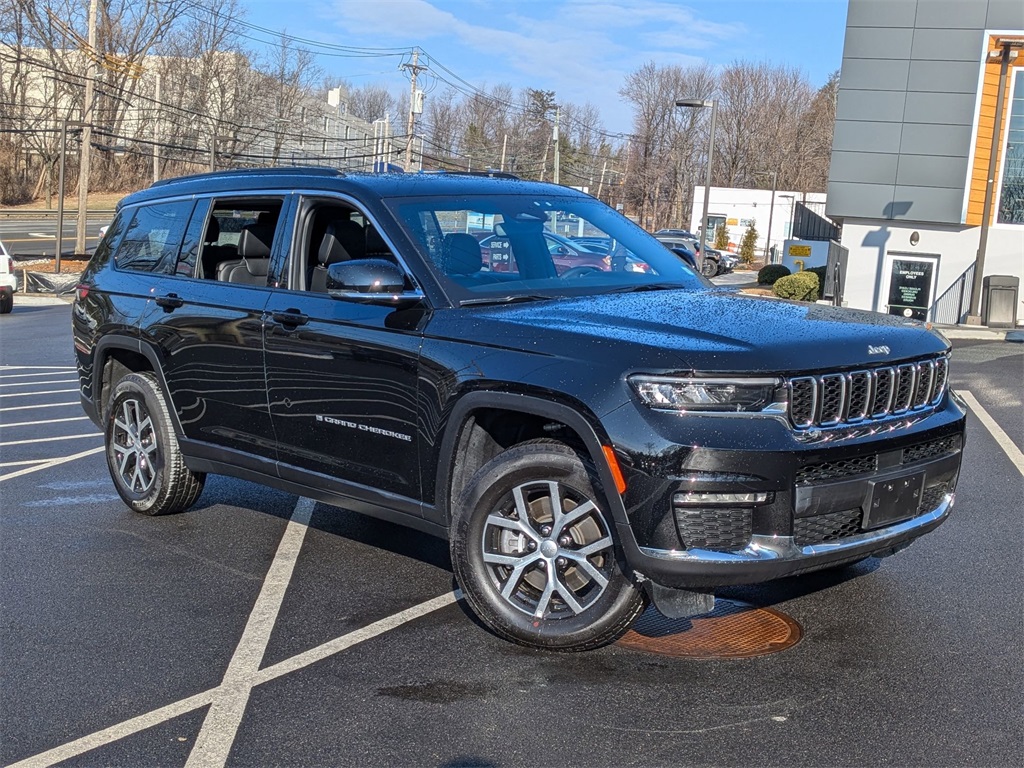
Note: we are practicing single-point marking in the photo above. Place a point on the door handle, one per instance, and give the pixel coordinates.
(170, 302)
(290, 318)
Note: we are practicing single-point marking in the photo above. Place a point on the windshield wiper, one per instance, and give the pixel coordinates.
(639, 288)
(505, 299)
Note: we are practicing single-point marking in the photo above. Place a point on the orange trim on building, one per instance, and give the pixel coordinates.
(983, 142)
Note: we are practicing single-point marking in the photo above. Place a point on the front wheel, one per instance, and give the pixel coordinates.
(534, 550)
(143, 457)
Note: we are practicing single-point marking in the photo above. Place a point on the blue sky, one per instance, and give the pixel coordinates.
(581, 49)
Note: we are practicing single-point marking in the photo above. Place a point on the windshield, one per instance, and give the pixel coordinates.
(538, 246)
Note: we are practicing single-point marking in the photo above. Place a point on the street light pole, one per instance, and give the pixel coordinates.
(701, 104)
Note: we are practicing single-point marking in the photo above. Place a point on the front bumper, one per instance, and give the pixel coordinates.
(818, 505)
(773, 557)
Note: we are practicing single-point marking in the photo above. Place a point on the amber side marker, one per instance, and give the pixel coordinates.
(734, 630)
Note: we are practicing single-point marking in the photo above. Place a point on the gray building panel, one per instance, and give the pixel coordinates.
(930, 204)
(950, 14)
(936, 140)
(926, 171)
(945, 108)
(863, 167)
(944, 76)
(875, 43)
(876, 106)
(865, 201)
(947, 44)
(875, 74)
(864, 136)
(887, 13)
(1005, 14)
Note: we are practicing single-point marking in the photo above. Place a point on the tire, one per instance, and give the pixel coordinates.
(142, 451)
(503, 565)
(709, 268)
(6, 302)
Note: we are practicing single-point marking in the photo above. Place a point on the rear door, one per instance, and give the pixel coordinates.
(342, 376)
(209, 335)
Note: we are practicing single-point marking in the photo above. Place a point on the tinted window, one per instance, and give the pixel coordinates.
(154, 237)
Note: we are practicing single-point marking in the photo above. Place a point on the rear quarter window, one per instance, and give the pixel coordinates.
(154, 237)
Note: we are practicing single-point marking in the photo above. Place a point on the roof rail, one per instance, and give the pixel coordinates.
(490, 172)
(298, 170)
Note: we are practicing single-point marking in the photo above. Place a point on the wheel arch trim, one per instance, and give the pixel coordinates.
(536, 406)
(137, 346)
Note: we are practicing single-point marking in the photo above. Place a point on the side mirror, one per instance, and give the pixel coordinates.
(370, 281)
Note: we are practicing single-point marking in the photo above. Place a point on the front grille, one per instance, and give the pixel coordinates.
(931, 449)
(830, 399)
(932, 497)
(829, 527)
(825, 471)
(725, 529)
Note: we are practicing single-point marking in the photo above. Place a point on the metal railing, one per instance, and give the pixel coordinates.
(952, 307)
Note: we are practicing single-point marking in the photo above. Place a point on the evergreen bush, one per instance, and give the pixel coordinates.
(769, 273)
(803, 286)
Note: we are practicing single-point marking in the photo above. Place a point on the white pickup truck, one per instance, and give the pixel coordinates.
(8, 281)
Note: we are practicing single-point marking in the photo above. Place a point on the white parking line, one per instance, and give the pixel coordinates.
(225, 714)
(1009, 447)
(41, 423)
(7, 395)
(37, 383)
(178, 708)
(51, 439)
(50, 463)
(44, 405)
(48, 368)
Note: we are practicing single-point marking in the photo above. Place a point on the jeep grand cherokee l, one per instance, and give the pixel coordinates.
(584, 439)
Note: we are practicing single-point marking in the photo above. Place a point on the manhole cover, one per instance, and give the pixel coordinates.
(734, 630)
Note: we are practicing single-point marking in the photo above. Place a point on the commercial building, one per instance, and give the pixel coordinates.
(918, 121)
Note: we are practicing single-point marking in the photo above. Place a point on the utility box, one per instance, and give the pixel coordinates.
(999, 301)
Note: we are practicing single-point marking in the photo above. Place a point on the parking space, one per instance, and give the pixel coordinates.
(259, 628)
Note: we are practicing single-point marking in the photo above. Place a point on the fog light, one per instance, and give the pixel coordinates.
(698, 498)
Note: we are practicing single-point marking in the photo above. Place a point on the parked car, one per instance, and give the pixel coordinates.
(498, 257)
(8, 281)
(585, 439)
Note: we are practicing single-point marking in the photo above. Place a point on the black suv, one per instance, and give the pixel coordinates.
(585, 438)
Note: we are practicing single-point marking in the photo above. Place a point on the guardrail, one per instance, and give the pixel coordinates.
(37, 213)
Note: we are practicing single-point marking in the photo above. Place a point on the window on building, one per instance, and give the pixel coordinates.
(1011, 196)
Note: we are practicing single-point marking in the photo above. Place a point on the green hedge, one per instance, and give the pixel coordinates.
(820, 272)
(803, 286)
(769, 273)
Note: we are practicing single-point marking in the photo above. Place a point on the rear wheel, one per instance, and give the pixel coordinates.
(534, 550)
(143, 457)
(709, 268)
(6, 301)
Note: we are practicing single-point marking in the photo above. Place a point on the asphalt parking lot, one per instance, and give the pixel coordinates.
(260, 628)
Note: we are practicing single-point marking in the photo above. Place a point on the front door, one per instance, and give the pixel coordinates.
(909, 284)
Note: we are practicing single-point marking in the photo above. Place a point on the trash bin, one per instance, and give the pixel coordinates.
(999, 301)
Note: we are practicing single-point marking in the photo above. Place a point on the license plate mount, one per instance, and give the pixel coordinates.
(893, 500)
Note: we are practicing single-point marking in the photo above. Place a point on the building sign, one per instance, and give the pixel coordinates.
(910, 288)
(799, 250)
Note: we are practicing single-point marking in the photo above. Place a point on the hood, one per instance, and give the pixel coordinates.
(708, 331)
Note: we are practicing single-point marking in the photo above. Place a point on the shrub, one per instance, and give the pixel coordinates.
(820, 272)
(803, 286)
(748, 244)
(770, 273)
(721, 237)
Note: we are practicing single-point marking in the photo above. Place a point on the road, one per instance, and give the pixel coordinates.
(259, 628)
(37, 235)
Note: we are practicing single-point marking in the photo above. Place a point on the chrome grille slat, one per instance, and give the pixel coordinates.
(832, 399)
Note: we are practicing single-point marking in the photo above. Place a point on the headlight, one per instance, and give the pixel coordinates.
(706, 394)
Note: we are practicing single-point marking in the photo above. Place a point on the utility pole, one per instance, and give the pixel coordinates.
(156, 133)
(87, 115)
(504, 146)
(414, 69)
(554, 138)
(600, 185)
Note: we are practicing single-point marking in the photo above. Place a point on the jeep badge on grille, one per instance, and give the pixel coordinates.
(880, 350)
